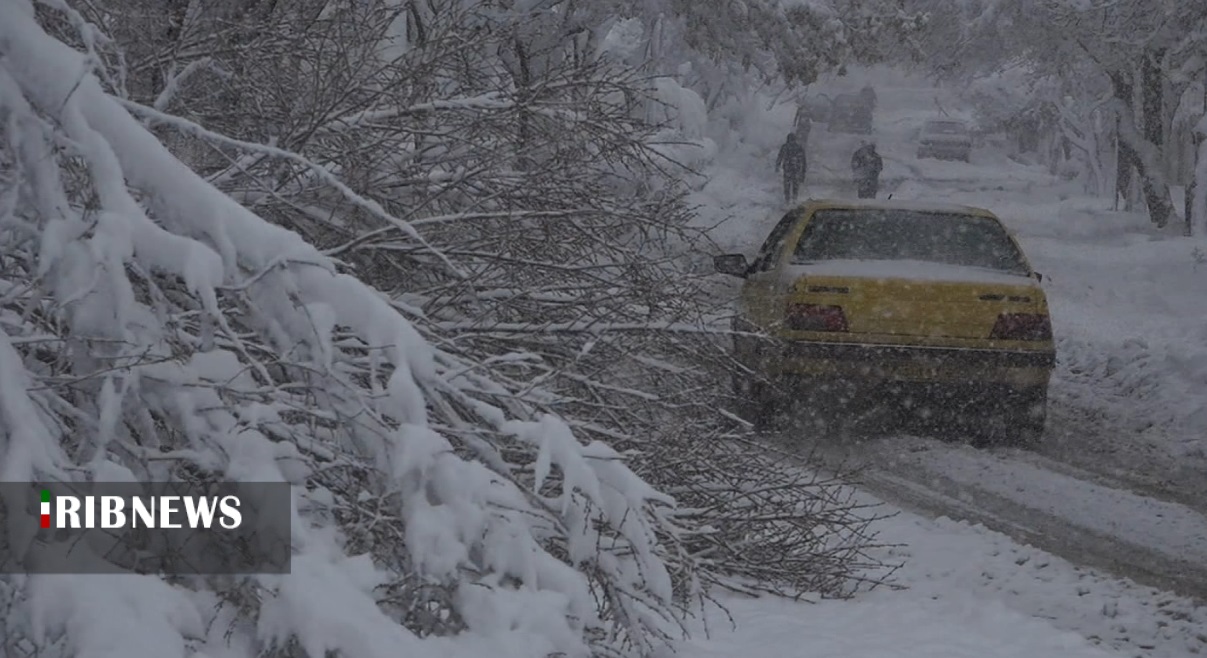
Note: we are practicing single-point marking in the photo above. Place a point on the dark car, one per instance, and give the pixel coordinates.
(817, 108)
(945, 139)
(851, 113)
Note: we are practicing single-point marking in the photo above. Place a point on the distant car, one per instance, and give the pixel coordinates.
(890, 300)
(817, 108)
(851, 113)
(946, 139)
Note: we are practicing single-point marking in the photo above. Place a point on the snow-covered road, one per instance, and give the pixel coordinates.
(1085, 517)
(971, 592)
(1120, 480)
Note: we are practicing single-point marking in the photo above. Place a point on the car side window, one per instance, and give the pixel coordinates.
(772, 246)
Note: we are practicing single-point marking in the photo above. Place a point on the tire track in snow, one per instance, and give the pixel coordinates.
(1080, 439)
(915, 474)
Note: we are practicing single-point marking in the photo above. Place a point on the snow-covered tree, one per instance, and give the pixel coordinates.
(154, 327)
(478, 423)
(1144, 54)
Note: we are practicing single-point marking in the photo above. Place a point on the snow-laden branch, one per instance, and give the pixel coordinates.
(174, 80)
(554, 564)
(370, 236)
(323, 173)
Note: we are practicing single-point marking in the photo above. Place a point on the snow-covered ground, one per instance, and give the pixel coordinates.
(1128, 311)
(971, 592)
(1140, 520)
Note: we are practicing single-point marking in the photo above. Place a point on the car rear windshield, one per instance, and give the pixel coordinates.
(890, 234)
(946, 127)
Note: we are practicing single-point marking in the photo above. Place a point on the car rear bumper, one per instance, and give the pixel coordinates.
(902, 363)
(964, 403)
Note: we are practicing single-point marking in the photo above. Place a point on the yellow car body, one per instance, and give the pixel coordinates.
(895, 321)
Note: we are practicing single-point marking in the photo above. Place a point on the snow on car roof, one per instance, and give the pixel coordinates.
(917, 206)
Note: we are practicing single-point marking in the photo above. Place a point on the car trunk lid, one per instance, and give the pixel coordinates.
(934, 301)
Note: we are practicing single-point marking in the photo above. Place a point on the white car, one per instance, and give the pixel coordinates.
(946, 139)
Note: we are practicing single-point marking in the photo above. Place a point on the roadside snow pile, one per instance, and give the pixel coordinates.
(966, 567)
(970, 592)
(1132, 330)
(738, 202)
(898, 624)
(680, 112)
(684, 118)
(209, 343)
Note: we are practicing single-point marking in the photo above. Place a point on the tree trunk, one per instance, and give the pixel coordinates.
(1123, 169)
(1188, 199)
(523, 82)
(1152, 93)
(1128, 168)
(1152, 182)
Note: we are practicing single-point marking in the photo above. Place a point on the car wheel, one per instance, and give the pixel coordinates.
(1022, 419)
(823, 408)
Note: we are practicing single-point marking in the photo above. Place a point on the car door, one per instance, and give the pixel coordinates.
(759, 312)
(752, 315)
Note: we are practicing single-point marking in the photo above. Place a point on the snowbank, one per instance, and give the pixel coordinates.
(970, 567)
(969, 593)
(886, 624)
(901, 625)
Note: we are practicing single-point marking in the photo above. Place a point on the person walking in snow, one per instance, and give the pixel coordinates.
(868, 96)
(866, 165)
(791, 159)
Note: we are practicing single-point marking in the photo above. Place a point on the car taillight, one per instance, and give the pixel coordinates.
(815, 317)
(1022, 326)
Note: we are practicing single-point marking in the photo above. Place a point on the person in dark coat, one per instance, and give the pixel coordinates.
(791, 159)
(866, 166)
(868, 96)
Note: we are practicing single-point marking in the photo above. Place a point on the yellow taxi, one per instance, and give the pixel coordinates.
(857, 301)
